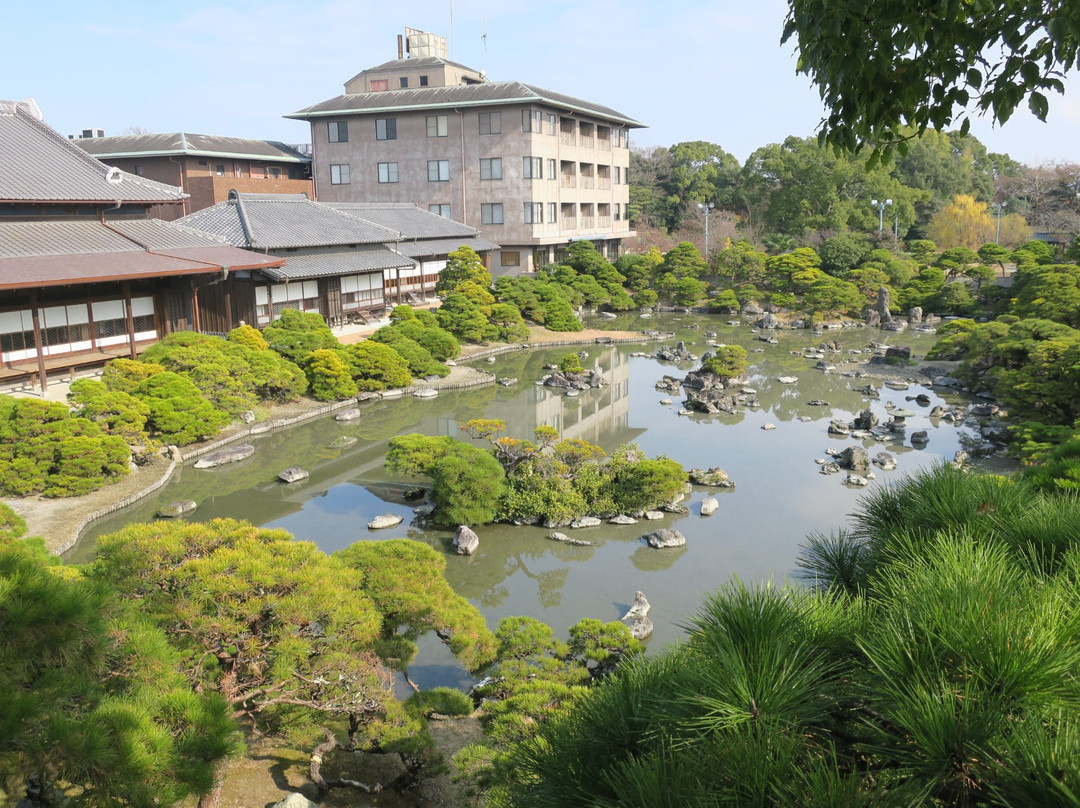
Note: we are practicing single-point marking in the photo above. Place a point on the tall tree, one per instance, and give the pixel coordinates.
(964, 222)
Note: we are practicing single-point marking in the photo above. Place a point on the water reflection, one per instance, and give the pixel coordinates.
(779, 498)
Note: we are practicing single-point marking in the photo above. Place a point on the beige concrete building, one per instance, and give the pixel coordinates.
(533, 169)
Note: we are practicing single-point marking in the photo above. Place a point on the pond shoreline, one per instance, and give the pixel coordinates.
(60, 522)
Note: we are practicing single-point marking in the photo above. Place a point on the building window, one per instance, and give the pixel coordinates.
(404, 82)
(438, 170)
(339, 174)
(219, 169)
(552, 122)
(491, 213)
(380, 85)
(510, 259)
(386, 128)
(551, 173)
(618, 171)
(238, 171)
(490, 123)
(337, 131)
(616, 206)
(387, 172)
(532, 168)
(491, 168)
(532, 120)
(274, 173)
(534, 212)
(552, 212)
(423, 81)
(436, 126)
(440, 210)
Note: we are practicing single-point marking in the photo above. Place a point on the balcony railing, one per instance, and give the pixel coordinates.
(586, 142)
(587, 222)
(568, 181)
(603, 221)
(569, 223)
(603, 183)
(603, 144)
(588, 182)
(567, 138)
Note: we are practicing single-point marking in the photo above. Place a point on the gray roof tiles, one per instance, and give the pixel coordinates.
(174, 143)
(426, 248)
(280, 221)
(38, 164)
(89, 236)
(406, 218)
(345, 262)
(490, 93)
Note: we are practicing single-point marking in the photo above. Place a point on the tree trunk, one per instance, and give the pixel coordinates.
(315, 769)
(210, 798)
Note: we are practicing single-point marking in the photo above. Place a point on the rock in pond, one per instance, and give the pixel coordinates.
(350, 414)
(654, 516)
(623, 519)
(564, 539)
(425, 392)
(665, 537)
(425, 510)
(342, 442)
(884, 461)
(465, 540)
(295, 800)
(856, 480)
(787, 379)
(715, 477)
(768, 427)
(709, 506)
(637, 618)
(182, 507)
(232, 454)
(293, 474)
(586, 521)
(384, 520)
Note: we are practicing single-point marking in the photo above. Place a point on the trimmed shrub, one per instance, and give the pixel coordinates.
(375, 366)
(124, 375)
(178, 412)
(249, 337)
(329, 376)
(295, 335)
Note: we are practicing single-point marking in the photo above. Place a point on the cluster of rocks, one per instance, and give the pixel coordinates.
(677, 354)
(637, 617)
(585, 380)
(715, 477)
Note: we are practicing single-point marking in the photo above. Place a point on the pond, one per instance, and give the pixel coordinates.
(780, 495)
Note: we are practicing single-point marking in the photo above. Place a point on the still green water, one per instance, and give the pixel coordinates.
(780, 496)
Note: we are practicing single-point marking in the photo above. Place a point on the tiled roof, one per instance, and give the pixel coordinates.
(406, 218)
(487, 94)
(65, 252)
(279, 221)
(38, 164)
(348, 262)
(192, 144)
(420, 61)
(426, 248)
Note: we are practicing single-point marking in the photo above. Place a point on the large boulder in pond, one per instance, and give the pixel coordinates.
(715, 477)
(665, 537)
(854, 458)
(230, 454)
(351, 414)
(465, 540)
(709, 506)
(174, 510)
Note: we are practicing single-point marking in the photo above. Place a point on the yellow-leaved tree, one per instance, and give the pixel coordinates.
(963, 222)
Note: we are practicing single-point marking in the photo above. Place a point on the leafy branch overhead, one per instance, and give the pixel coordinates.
(889, 71)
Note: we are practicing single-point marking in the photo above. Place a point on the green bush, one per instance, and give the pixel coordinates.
(375, 366)
(421, 363)
(118, 413)
(727, 361)
(646, 299)
(12, 526)
(441, 700)
(45, 450)
(178, 412)
(571, 363)
(249, 337)
(638, 486)
(296, 334)
(558, 314)
(329, 376)
(124, 375)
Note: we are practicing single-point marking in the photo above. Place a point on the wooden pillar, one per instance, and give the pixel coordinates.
(195, 308)
(129, 317)
(38, 341)
(228, 305)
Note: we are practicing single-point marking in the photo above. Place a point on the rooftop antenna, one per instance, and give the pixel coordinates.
(483, 36)
(451, 30)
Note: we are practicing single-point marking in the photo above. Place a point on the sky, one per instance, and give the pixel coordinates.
(689, 70)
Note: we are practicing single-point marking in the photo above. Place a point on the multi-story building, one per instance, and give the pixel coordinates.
(205, 167)
(533, 169)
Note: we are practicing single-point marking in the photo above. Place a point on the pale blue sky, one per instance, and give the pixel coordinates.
(690, 70)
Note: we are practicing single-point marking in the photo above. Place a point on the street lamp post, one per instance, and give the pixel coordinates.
(997, 237)
(706, 208)
(881, 213)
